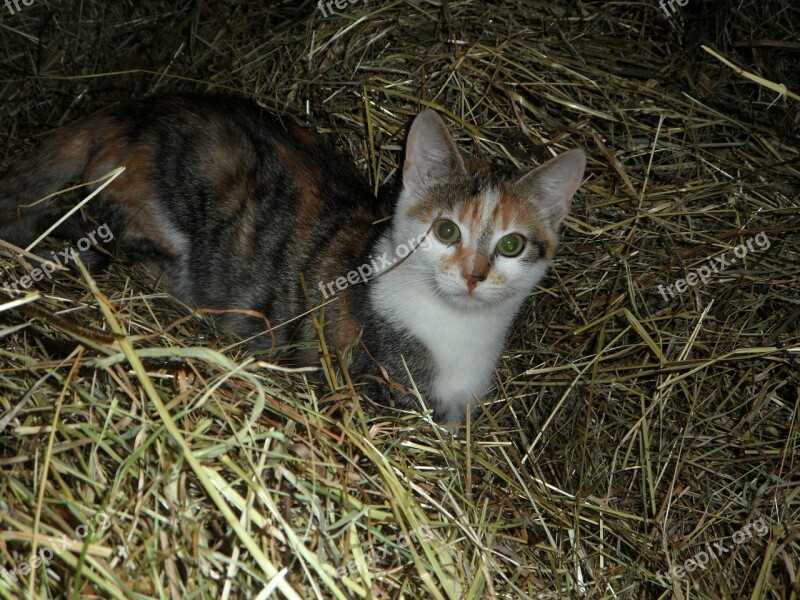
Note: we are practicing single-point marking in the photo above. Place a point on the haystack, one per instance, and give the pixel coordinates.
(642, 439)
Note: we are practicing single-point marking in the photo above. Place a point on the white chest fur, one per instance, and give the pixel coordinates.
(465, 344)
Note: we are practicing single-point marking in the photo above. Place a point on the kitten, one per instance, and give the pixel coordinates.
(231, 204)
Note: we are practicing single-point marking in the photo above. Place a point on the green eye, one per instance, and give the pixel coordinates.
(511, 245)
(447, 231)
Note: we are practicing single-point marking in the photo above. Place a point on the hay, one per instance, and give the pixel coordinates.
(630, 431)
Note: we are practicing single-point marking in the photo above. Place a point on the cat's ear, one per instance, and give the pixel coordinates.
(431, 153)
(551, 186)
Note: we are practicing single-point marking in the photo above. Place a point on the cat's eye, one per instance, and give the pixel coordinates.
(447, 231)
(511, 245)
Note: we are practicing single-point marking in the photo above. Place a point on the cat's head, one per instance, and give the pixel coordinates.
(492, 237)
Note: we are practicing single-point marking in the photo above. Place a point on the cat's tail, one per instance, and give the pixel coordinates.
(27, 188)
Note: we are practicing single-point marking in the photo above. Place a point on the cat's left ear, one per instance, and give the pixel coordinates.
(431, 153)
(551, 186)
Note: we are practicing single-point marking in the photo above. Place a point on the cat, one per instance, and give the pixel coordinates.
(231, 204)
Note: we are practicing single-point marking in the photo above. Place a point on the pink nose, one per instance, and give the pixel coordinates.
(473, 279)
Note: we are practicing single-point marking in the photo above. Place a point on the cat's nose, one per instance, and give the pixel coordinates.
(473, 279)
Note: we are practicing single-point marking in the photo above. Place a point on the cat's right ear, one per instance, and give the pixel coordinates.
(431, 154)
